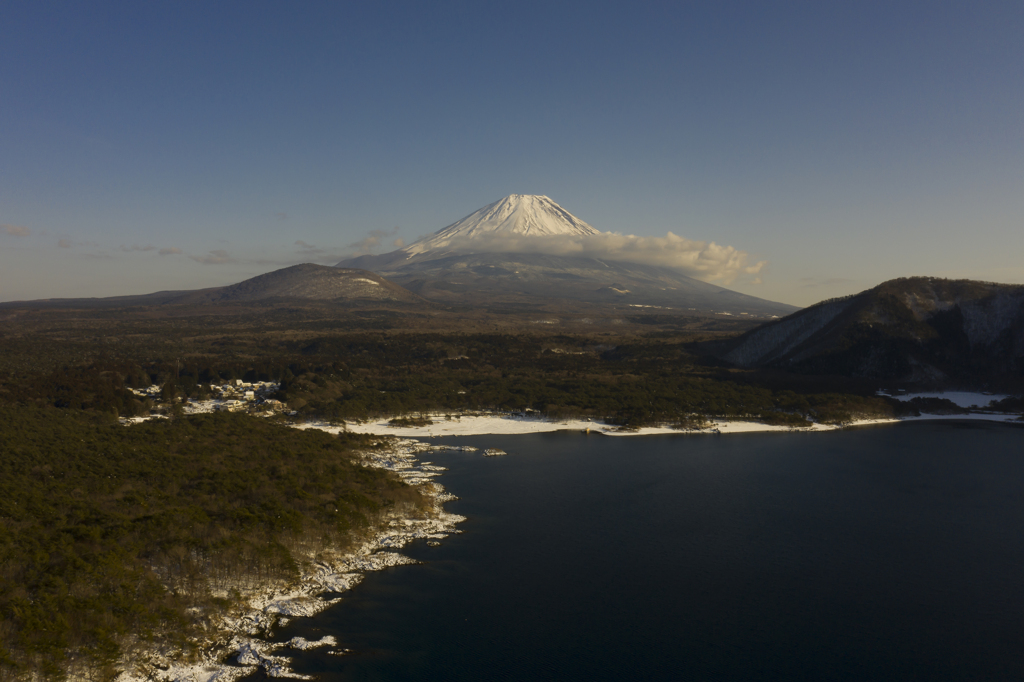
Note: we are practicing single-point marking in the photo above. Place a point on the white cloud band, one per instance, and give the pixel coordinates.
(706, 261)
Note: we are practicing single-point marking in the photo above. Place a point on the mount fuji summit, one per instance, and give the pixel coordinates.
(527, 251)
(517, 215)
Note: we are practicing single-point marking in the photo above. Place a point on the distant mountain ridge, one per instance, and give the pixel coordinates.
(477, 261)
(306, 282)
(312, 283)
(915, 329)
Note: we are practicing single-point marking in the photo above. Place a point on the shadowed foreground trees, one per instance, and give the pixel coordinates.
(97, 518)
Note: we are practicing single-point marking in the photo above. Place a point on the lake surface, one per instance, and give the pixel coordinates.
(883, 553)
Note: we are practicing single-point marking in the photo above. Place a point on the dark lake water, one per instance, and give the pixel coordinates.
(887, 553)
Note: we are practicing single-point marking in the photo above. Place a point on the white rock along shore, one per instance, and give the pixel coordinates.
(240, 647)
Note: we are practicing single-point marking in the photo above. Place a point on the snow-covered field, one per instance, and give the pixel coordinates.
(485, 425)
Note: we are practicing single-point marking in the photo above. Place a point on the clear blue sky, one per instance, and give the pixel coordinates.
(844, 143)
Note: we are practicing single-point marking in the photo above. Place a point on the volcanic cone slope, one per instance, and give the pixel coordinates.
(495, 256)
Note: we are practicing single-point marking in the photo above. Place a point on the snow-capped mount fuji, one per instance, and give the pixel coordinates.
(519, 251)
(499, 227)
(517, 215)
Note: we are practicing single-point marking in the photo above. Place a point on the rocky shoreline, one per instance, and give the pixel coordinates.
(240, 646)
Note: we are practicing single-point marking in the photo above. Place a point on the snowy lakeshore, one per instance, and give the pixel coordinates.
(241, 646)
(254, 400)
(446, 425)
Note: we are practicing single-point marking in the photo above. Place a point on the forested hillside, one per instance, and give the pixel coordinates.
(919, 329)
(112, 535)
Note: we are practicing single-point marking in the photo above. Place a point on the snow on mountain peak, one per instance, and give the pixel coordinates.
(519, 215)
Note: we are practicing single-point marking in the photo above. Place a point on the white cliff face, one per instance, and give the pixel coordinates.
(522, 215)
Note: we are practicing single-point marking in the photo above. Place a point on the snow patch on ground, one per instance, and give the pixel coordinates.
(487, 425)
(303, 644)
